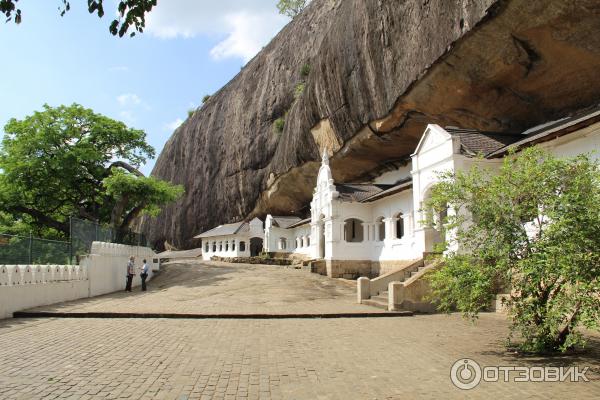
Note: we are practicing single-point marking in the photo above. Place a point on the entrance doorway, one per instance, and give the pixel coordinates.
(256, 246)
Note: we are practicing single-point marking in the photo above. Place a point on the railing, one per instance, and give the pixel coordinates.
(12, 275)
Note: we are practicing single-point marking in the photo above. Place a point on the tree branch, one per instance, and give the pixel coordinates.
(42, 218)
(125, 166)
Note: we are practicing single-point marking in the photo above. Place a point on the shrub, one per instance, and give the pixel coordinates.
(533, 229)
(299, 90)
(305, 71)
(205, 98)
(279, 125)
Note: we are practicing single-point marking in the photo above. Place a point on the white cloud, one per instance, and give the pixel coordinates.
(174, 125)
(129, 99)
(244, 27)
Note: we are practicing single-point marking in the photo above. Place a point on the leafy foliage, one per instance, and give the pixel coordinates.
(291, 8)
(305, 71)
(70, 161)
(136, 195)
(205, 98)
(131, 13)
(532, 229)
(299, 89)
(279, 125)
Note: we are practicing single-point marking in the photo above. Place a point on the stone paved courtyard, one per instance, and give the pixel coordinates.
(219, 288)
(347, 358)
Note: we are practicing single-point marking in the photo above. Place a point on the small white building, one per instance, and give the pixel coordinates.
(242, 239)
(369, 229)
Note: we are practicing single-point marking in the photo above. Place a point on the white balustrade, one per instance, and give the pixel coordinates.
(27, 273)
(4, 279)
(14, 274)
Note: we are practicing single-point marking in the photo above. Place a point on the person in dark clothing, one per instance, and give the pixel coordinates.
(144, 275)
(130, 273)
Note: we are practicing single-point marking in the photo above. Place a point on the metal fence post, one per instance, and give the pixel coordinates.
(70, 240)
(30, 248)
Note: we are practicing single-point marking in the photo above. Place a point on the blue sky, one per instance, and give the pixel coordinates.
(190, 48)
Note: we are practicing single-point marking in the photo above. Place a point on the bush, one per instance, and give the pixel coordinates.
(191, 112)
(533, 229)
(205, 98)
(305, 71)
(279, 125)
(299, 90)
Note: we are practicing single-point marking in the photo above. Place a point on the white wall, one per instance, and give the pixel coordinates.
(220, 242)
(107, 266)
(583, 141)
(28, 286)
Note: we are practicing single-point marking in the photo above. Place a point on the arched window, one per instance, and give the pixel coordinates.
(214, 247)
(220, 246)
(353, 230)
(227, 245)
(206, 247)
(399, 226)
(380, 227)
(233, 245)
(242, 246)
(282, 243)
(308, 241)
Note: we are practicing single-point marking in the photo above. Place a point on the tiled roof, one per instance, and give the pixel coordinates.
(300, 223)
(285, 222)
(399, 187)
(475, 142)
(358, 192)
(223, 230)
(553, 129)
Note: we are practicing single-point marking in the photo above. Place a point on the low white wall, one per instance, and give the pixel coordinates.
(21, 297)
(107, 266)
(104, 271)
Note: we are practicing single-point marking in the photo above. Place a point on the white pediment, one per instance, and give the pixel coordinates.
(434, 136)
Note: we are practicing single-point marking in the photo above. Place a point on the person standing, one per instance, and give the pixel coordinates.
(130, 273)
(144, 275)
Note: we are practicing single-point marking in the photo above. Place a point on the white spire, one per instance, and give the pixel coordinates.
(325, 159)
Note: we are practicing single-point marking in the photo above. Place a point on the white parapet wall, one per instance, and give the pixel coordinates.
(107, 266)
(102, 272)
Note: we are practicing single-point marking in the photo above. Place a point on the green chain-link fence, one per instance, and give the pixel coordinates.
(29, 250)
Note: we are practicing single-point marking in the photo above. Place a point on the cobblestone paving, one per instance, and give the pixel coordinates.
(370, 358)
(219, 288)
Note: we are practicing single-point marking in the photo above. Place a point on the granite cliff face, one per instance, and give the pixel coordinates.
(380, 70)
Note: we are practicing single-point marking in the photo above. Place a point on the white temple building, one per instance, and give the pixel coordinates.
(242, 239)
(371, 229)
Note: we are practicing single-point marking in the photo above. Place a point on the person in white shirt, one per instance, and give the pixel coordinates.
(145, 268)
(130, 273)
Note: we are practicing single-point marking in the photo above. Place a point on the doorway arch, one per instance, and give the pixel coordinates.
(256, 246)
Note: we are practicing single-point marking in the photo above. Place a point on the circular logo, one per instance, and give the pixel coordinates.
(465, 374)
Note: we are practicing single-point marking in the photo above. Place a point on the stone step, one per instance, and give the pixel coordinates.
(382, 297)
(376, 303)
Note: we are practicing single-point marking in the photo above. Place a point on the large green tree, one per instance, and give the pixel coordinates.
(69, 161)
(130, 13)
(532, 230)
